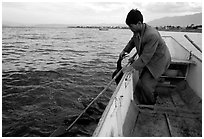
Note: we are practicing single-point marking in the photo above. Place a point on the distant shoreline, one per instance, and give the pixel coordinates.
(107, 27)
(183, 30)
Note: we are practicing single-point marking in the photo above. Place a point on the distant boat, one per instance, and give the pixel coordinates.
(103, 28)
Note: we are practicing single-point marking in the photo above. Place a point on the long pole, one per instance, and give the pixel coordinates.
(59, 131)
(196, 46)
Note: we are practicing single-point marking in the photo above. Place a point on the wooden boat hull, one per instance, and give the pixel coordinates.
(194, 75)
(119, 116)
(171, 116)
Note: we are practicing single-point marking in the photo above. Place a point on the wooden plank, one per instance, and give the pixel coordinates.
(168, 124)
(177, 77)
(184, 62)
(173, 113)
(130, 120)
(151, 125)
(169, 109)
(178, 102)
(185, 127)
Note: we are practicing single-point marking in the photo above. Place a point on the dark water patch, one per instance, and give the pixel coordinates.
(86, 124)
(49, 50)
(25, 99)
(64, 64)
(28, 125)
(31, 34)
(62, 100)
(8, 43)
(65, 61)
(115, 57)
(37, 131)
(41, 100)
(8, 60)
(10, 91)
(7, 38)
(20, 42)
(104, 54)
(96, 61)
(18, 131)
(9, 105)
(90, 37)
(8, 46)
(29, 63)
(5, 54)
(52, 74)
(93, 41)
(75, 51)
(33, 38)
(50, 63)
(14, 52)
(22, 50)
(43, 50)
(7, 50)
(58, 38)
(25, 82)
(46, 44)
(66, 58)
(75, 38)
(31, 78)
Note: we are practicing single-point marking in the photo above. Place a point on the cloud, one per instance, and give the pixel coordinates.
(173, 7)
(13, 5)
(91, 12)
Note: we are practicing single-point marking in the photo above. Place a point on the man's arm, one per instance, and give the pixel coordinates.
(127, 48)
(147, 53)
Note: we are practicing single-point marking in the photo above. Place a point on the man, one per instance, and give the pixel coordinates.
(154, 57)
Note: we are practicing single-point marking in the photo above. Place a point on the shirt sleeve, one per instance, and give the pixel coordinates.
(129, 46)
(148, 51)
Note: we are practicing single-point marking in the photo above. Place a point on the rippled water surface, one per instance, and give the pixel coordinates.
(49, 75)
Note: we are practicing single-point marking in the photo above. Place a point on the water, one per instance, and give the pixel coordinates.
(49, 75)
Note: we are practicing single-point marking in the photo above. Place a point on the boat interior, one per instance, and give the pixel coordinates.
(178, 109)
(177, 112)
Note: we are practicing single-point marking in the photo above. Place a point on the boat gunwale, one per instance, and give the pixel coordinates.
(192, 54)
(107, 109)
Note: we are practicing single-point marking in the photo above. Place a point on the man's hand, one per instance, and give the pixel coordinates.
(122, 54)
(131, 60)
(128, 69)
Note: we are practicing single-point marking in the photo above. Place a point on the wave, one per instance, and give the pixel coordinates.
(51, 80)
(75, 51)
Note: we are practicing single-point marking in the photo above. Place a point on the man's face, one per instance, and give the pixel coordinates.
(136, 28)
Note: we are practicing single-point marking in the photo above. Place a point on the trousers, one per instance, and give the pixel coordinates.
(145, 88)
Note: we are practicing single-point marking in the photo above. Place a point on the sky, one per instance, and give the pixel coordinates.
(92, 12)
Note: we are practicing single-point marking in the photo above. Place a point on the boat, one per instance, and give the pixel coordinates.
(178, 109)
(103, 29)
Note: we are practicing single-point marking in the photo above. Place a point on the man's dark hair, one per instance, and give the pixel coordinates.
(134, 16)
